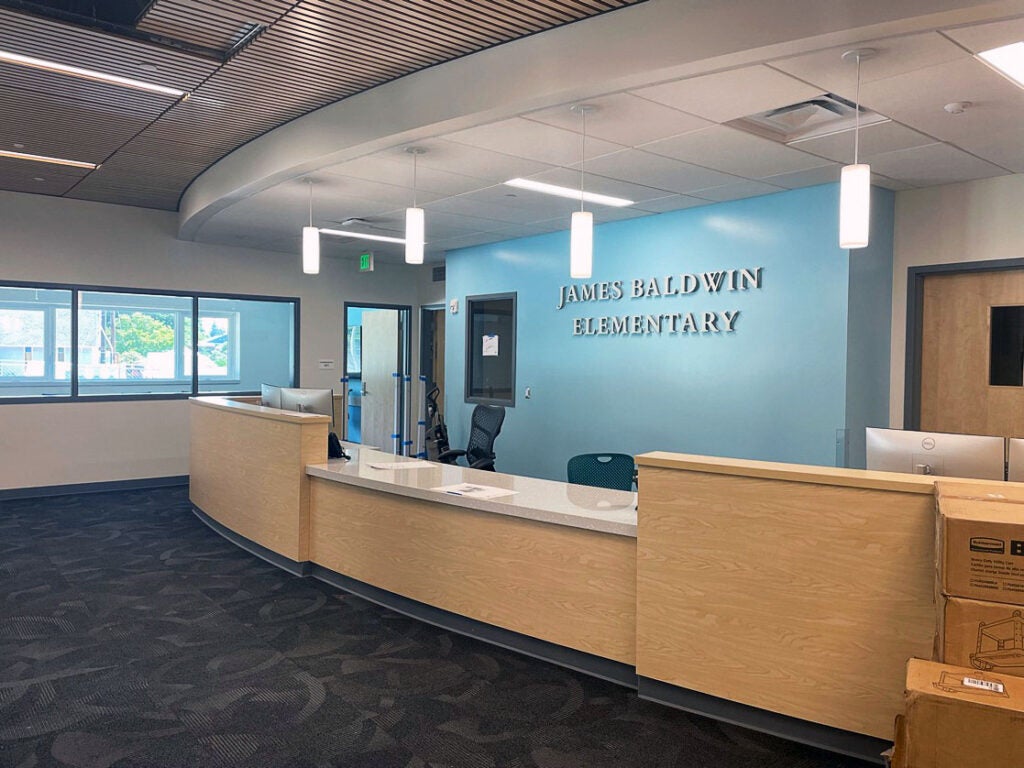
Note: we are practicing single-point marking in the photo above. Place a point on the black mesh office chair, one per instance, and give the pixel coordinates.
(479, 453)
(603, 470)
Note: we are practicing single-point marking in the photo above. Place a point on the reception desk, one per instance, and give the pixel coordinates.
(783, 597)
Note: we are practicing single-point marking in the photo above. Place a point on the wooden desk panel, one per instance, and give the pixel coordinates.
(568, 586)
(248, 471)
(795, 597)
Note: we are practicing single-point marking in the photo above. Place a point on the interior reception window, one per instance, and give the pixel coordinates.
(133, 343)
(491, 349)
(1006, 347)
(35, 342)
(68, 342)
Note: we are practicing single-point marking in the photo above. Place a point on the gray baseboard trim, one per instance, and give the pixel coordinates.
(46, 491)
(294, 567)
(589, 664)
(791, 728)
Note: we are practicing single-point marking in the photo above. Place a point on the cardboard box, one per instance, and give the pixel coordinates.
(982, 635)
(981, 550)
(957, 717)
(980, 490)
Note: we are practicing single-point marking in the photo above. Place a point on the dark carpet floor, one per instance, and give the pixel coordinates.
(133, 635)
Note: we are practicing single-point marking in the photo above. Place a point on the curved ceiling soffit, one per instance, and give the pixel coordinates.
(582, 60)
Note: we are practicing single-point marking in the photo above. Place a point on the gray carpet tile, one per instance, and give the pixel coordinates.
(133, 636)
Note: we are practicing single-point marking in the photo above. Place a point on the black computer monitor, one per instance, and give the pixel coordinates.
(270, 396)
(935, 453)
(309, 401)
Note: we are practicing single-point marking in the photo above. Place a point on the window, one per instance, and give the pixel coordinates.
(491, 349)
(140, 343)
(35, 339)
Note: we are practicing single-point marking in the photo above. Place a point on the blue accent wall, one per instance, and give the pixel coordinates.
(777, 388)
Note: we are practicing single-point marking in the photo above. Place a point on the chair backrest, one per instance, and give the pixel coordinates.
(485, 427)
(603, 470)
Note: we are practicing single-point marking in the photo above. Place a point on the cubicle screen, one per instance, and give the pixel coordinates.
(1015, 460)
(936, 453)
(309, 401)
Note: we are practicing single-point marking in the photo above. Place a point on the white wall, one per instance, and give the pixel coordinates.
(56, 240)
(971, 221)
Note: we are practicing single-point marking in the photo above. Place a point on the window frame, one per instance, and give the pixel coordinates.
(183, 317)
(509, 402)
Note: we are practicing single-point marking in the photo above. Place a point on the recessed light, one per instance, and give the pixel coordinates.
(18, 146)
(1008, 60)
(146, 66)
(38, 178)
(572, 194)
(87, 74)
(45, 159)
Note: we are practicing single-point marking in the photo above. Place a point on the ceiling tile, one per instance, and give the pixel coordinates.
(736, 152)
(828, 70)
(673, 203)
(649, 170)
(826, 174)
(738, 191)
(984, 37)
(467, 205)
(933, 164)
(473, 162)
(991, 128)
(874, 139)
(390, 170)
(726, 96)
(624, 119)
(534, 141)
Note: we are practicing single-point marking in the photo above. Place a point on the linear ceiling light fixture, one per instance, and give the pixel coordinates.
(855, 181)
(50, 160)
(89, 74)
(78, 72)
(569, 192)
(414, 224)
(310, 241)
(1008, 60)
(362, 236)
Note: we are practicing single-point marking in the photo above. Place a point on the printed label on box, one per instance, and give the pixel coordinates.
(985, 685)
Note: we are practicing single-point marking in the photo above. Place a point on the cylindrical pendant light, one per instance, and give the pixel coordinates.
(415, 225)
(581, 234)
(310, 241)
(414, 232)
(581, 244)
(855, 181)
(854, 206)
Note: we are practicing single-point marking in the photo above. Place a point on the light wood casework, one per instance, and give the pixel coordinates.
(565, 585)
(955, 354)
(795, 589)
(247, 470)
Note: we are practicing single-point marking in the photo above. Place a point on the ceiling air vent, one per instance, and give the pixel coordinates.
(821, 116)
(438, 274)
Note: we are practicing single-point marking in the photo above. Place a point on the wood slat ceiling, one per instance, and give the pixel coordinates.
(309, 53)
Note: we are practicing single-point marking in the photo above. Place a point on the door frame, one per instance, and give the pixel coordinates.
(405, 350)
(915, 324)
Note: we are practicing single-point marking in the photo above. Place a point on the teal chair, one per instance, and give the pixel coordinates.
(602, 470)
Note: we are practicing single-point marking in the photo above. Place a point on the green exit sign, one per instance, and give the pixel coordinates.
(366, 262)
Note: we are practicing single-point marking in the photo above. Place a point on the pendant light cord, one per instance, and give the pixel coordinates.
(414, 158)
(310, 183)
(583, 153)
(856, 118)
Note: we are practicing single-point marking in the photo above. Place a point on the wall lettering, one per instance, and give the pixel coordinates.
(668, 286)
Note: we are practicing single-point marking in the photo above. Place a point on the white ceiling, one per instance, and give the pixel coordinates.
(665, 146)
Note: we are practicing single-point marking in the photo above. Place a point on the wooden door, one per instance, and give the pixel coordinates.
(955, 392)
(380, 343)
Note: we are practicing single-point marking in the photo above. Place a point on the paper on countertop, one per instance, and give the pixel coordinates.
(474, 491)
(402, 464)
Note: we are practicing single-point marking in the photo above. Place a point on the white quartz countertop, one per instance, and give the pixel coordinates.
(547, 501)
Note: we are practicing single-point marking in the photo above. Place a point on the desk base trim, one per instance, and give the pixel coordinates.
(294, 567)
(588, 664)
(790, 728)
